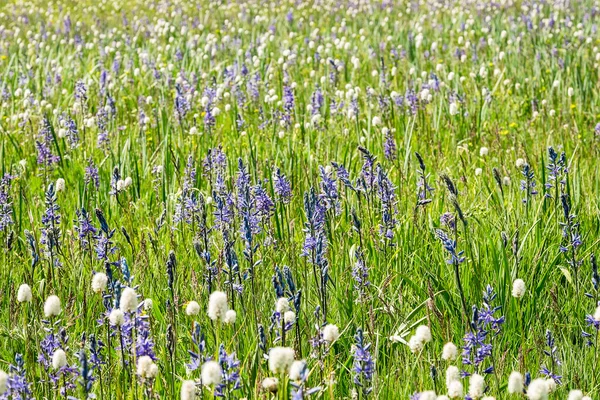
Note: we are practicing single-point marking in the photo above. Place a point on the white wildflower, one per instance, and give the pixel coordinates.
(99, 282)
(24, 294)
(280, 359)
(148, 304)
(297, 369)
(192, 308)
(518, 289)
(129, 301)
(230, 317)
(331, 333)
(270, 384)
(282, 305)
(537, 390)
(144, 364)
(52, 306)
(289, 317)
(116, 317)
(476, 386)
(423, 333)
(575, 395)
(211, 373)
(428, 395)
(415, 344)
(60, 185)
(217, 305)
(455, 389)
(188, 390)
(449, 352)
(59, 359)
(515, 383)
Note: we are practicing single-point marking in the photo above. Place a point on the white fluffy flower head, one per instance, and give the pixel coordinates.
(217, 305)
(211, 373)
(282, 305)
(515, 383)
(331, 333)
(428, 395)
(455, 389)
(449, 352)
(116, 317)
(281, 359)
(518, 289)
(297, 369)
(270, 384)
(145, 367)
(99, 282)
(537, 390)
(230, 317)
(188, 390)
(423, 333)
(476, 386)
(129, 301)
(289, 317)
(24, 294)
(192, 308)
(575, 395)
(59, 359)
(3, 381)
(52, 306)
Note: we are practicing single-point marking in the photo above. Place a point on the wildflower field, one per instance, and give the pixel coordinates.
(368, 199)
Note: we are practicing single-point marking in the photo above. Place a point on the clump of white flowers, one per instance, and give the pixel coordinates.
(428, 395)
(99, 282)
(217, 306)
(455, 389)
(60, 185)
(211, 373)
(296, 370)
(417, 341)
(146, 368)
(3, 382)
(518, 289)
(282, 305)
(476, 386)
(148, 304)
(192, 308)
(59, 359)
(575, 395)
(24, 294)
(452, 374)
(129, 301)
(331, 333)
(289, 317)
(230, 317)
(449, 352)
(270, 385)
(537, 390)
(116, 317)
(188, 390)
(52, 306)
(515, 383)
(281, 359)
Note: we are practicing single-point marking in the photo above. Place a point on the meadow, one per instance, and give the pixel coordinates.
(299, 199)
